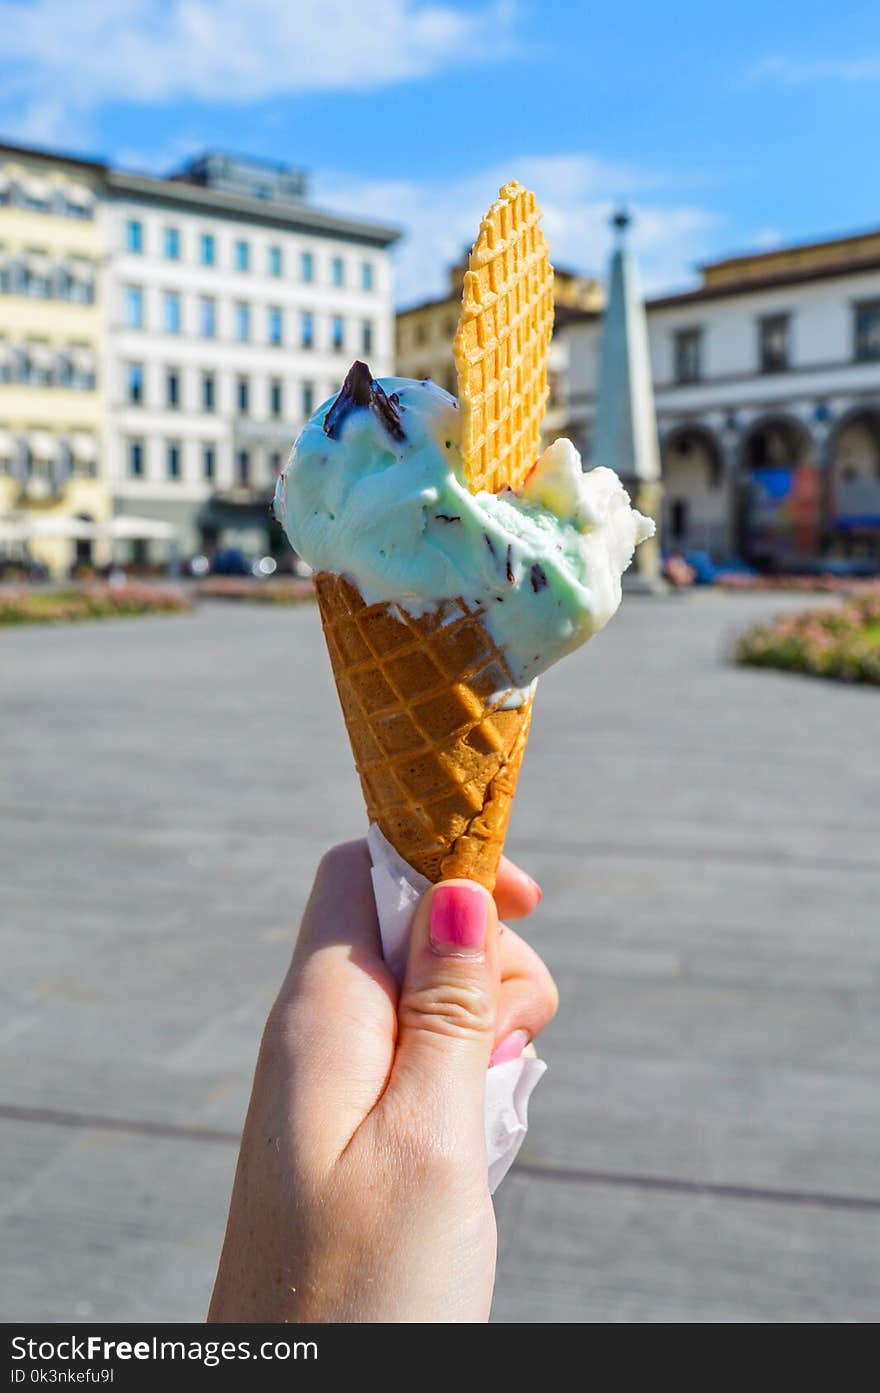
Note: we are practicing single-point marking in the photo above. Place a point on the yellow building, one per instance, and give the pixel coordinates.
(52, 483)
(425, 331)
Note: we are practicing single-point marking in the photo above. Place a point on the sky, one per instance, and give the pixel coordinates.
(723, 127)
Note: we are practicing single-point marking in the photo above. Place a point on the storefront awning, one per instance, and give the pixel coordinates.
(79, 195)
(124, 527)
(84, 447)
(43, 445)
(54, 526)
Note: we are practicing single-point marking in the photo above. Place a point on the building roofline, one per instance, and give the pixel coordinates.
(296, 215)
(38, 152)
(786, 249)
(182, 192)
(574, 314)
(261, 161)
(750, 285)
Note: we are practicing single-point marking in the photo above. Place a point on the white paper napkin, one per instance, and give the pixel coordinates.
(398, 889)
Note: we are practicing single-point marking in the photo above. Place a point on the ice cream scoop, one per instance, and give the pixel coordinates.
(375, 492)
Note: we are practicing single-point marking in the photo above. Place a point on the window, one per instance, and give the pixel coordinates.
(209, 461)
(307, 329)
(773, 342)
(367, 336)
(275, 261)
(337, 333)
(688, 364)
(242, 256)
(337, 271)
(135, 384)
(171, 302)
(678, 518)
(306, 266)
(136, 459)
(243, 396)
(308, 398)
(209, 392)
(366, 275)
(243, 467)
(207, 249)
(275, 462)
(867, 330)
(242, 321)
(276, 398)
(172, 244)
(276, 327)
(134, 236)
(208, 316)
(420, 333)
(134, 307)
(172, 460)
(172, 389)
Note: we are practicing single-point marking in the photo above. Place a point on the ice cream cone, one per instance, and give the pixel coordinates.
(437, 726)
(436, 718)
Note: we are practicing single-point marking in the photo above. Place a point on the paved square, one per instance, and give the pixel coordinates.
(705, 1144)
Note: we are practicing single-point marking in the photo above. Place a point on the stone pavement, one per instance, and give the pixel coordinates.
(705, 1144)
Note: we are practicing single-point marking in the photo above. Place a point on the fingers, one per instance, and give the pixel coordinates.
(341, 907)
(448, 1008)
(335, 1021)
(528, 998)
(516, 893)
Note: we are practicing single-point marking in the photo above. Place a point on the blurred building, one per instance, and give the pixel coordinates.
(163, 340)
(52, 338)
(767, 387)
(234, 308)
(425, 331)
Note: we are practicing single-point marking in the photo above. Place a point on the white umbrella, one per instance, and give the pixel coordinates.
(53, 526)
(124, 527)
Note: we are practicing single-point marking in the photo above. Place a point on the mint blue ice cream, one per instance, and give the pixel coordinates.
(375, 491)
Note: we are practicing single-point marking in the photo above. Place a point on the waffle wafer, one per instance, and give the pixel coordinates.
(502, 343)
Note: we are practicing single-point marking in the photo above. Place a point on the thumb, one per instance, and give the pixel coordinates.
(448, 1004)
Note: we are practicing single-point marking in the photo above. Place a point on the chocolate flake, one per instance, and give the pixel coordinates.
(509, 563)
(448, 517)
(538, 578)
(490, 545)
(360, 389)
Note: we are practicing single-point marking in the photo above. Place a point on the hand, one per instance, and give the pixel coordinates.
(361, 1190)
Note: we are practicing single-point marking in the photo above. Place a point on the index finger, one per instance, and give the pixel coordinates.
(516, 893)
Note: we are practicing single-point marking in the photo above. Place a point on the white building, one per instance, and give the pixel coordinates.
(234, 308)
(767, 387)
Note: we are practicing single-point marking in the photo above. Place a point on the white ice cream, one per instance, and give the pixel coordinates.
(395, 517)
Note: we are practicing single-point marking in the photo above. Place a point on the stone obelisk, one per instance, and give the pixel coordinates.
(625, 436)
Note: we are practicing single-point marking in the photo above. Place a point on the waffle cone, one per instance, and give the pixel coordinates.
(437, 751)
(503, 342)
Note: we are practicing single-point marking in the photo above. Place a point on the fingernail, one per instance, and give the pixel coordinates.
(511, 1048)
(535, 886)
(458, 919)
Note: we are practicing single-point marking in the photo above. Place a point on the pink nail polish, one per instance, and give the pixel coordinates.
(458, 919)
(510, 1048)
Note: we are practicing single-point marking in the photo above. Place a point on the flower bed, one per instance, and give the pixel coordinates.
(290, 590)
(843, 643)
(87, 602)
(820, 584)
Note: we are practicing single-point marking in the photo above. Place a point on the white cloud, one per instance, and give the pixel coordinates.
(578, 194)
(795, 72)
(233, 50)
(767, 238)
